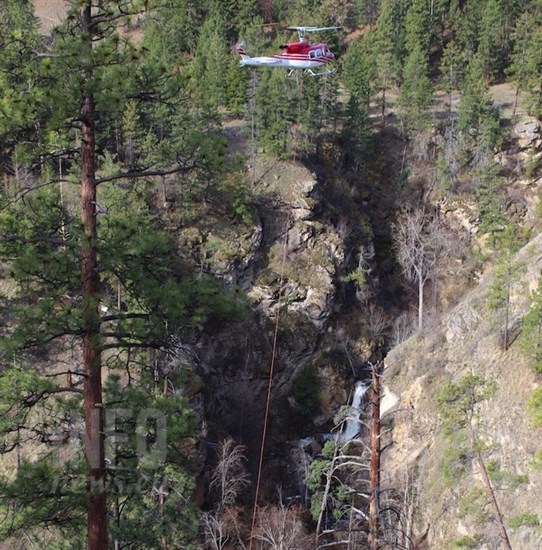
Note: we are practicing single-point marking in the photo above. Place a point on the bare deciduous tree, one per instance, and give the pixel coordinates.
(224, 529)
(229, 477)
(377, 322)
(224, 526)
(214, 531)
(419, 242)
(403, 327)
(281, 528)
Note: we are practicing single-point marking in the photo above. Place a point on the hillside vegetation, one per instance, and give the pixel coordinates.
(199, 261)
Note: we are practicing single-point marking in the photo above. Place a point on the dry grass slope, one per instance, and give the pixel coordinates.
(50, 13)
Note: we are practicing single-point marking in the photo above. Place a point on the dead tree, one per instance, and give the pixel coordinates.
(224, 526)
(374, 469)
(420, 242)
(281, 528)
(229, 476)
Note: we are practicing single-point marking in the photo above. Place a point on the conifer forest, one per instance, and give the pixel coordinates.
(250, 306)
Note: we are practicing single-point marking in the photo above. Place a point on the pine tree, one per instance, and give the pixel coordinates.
(132, 134)
(388, 45)
(210, 63)
(452, 68)
(366, 11)
(359, 68)
(417, 27)
(81, 84)
(459, 407)
(236, 86)
(476, 113)
(276, 111)
(416, 88)
(19, 39)
(465, 21)
(531, 342)
(357, 135)
(416, 93)
(507, 241)
(155, 303)
(490, 38)
(527, 57)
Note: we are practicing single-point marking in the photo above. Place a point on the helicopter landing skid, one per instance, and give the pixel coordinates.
(310, 72)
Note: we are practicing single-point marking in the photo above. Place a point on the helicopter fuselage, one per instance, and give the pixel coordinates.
(296, 55)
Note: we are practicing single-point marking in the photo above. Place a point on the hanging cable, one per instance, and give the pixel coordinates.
(270, 382)
(295, 139)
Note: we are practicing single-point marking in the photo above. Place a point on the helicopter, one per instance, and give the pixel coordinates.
(296, 55)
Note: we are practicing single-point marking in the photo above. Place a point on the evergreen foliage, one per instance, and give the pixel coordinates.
(531, 340)
(417, 27)
(328, 480)
(357, 135)
(526, 60)
(500, 297)
(93, 81)
(452, 67)
(388, 50)
(476, 105)
(529, 519)
(152, 460)
(416, 92)
(534, 406)
(210, 63)
(459, 403)
(489, 37)
(359, 68)
(289, 113)
(143, 84)
(158, 303)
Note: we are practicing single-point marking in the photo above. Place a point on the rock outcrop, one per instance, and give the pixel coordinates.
(466, 340)
(287, 260)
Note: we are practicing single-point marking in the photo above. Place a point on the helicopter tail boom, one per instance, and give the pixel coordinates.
(244, 55)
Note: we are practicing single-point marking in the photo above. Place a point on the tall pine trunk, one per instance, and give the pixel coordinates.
(374, 471)
(489, 488)
(494, 504)
(383, 108)
(420, 299)
(93, 411)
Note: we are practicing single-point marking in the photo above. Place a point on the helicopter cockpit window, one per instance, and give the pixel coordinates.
(318, 53)
(312, 54)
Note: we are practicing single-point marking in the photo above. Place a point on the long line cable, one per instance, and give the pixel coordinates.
(270, 381)
(275, 343)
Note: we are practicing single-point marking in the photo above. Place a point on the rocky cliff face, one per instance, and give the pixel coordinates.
(453, 509)
(306, 233)
(288, 259)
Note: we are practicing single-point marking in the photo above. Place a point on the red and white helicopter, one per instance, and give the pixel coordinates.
(296, 55)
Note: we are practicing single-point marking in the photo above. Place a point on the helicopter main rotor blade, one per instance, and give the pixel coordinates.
(313, 29)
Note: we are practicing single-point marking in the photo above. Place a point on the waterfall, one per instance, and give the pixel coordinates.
(352, 426)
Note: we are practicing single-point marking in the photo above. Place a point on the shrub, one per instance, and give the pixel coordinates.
(473, 505)
(455, 460)
(528, 519)
(467, 542)
(532, 330)
(502, 478)
(534, 406)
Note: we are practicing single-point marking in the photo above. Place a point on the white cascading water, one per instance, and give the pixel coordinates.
(352, 425)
